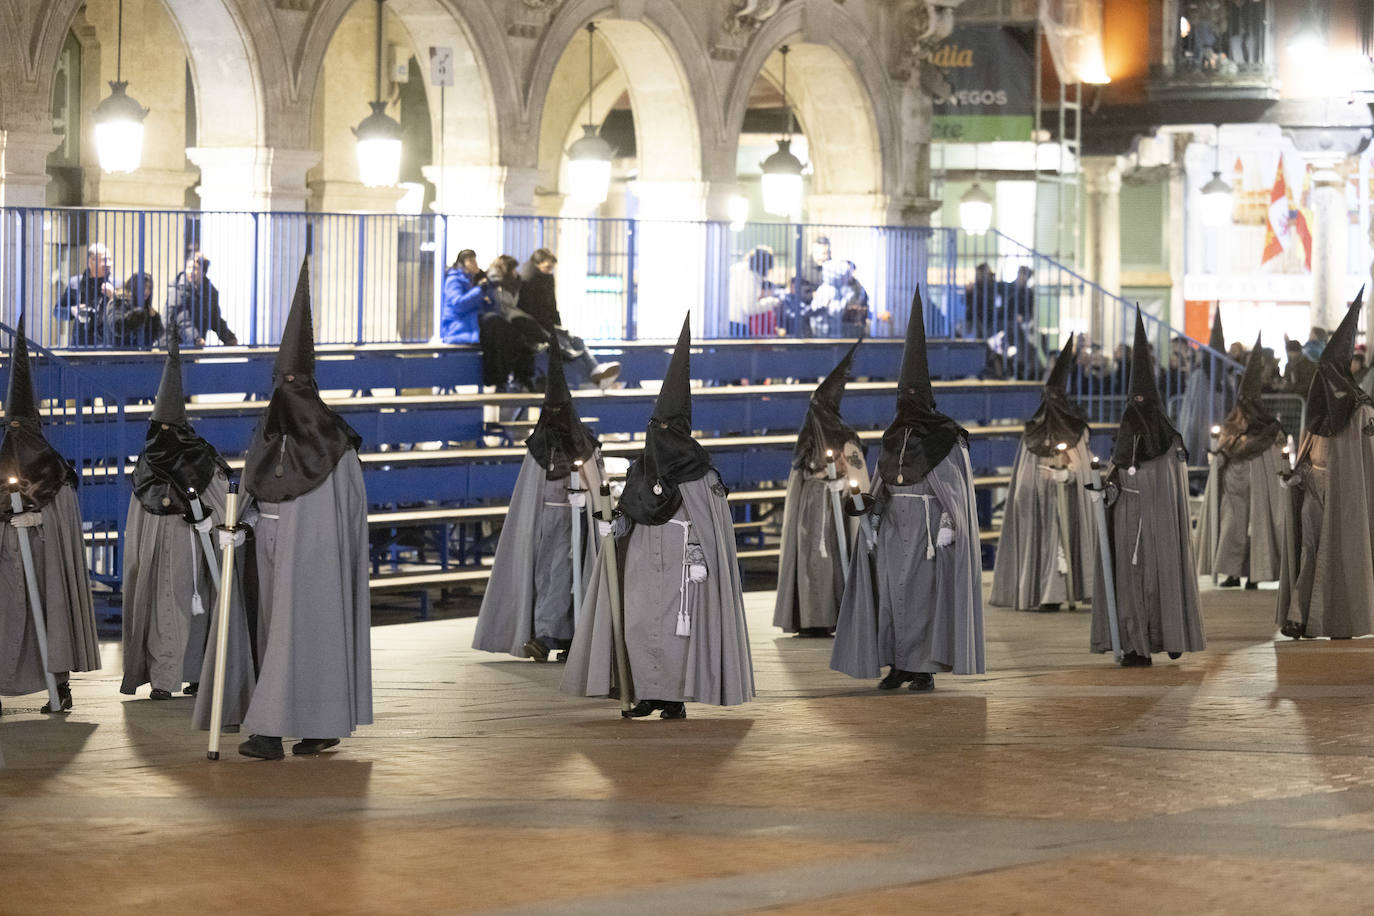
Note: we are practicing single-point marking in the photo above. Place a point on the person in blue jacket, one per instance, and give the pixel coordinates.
(465, 298)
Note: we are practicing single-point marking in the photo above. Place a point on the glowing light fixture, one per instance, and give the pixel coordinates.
(379, 136)
(975, 210)
(782, 171)
(119, 119)
(1216, 195)
(589, 158)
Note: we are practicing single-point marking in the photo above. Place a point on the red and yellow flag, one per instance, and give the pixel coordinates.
(1276, 227)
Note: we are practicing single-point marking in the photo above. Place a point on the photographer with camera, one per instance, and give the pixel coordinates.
(130, 321)
(86, 298)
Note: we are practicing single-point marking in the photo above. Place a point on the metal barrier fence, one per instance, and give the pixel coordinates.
(86, 424)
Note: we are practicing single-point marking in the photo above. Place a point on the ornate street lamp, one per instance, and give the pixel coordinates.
(782, 171)
(379, 136)
(119, 119)
(589, 158)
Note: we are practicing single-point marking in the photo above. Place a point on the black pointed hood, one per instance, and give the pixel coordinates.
(824, 428)
(24, 452)
(174, 461)
(559, 437)
(1145, 432)
(1250, 428)
(1216, 341)
(671, 456)
(920, 436)
(1059, 418)
(1334, 395)
(299, 440)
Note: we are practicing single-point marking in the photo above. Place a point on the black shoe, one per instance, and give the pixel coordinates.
(191, 689)
(264, 747)
(160, 694)
(1175, 656)
(1251, 585)
(1230, 582)
(922, 682)
(562, 655)
(1292, 629)
(673, 710)
(311, 745)
(1049, 608)
(815, 632)
(895, 678)
(64, 697)
(641, 709)
(1131, 660)
(536, 649)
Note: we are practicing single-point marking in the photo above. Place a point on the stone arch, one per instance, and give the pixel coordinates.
(844, 102)
(481, 120)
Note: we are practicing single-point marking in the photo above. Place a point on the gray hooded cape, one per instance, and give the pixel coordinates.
(1207, 396)
(1149, 528)
(810, 575)
(711, 662)
(1326, 582)
(1032, 567)
(47, 483)
(908, 603)
(314, 642)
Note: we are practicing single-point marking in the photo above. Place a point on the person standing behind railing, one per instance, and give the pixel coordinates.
(193, 306)
(86, 297)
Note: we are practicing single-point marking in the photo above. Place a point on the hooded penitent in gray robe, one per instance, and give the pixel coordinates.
(1326, 582)
(47, 487)
(1240, 530)
(1207, 396)
(810, 567)
(685, 633)
(314, 609)
(168, 584)
(1150, 531)
(912, 602)
(1033, 570)
(528, 604)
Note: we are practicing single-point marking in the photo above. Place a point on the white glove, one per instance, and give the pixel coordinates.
(1061, 475)
(27, 520)
(603, 528)
(228, 540)
(870, 532)
(945, 537)
(577, 499)
(204, 524)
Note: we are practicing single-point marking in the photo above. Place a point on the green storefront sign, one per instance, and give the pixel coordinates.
(990, 71)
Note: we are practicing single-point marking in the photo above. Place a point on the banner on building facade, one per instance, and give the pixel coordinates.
(991, 73)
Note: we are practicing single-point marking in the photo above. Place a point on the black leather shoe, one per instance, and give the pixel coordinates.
(1292, 629)
(641, 709)
(673, 710)
(1175, 655)
(64, 697)
(192, 688)
(815, 632)
(922, 682)
(263, 747)
(1049, 608)
(1131, 660)
(160, 694)
(1230, 582)
(536, 649)
(895, 678)
(309, 746)
(1251, 585)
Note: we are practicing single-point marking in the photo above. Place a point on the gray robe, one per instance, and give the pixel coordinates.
(712, 663)
(1327, 575)
(1156, 585)
(165, 567)
(905, 610)
(59, 559)
(1195, 421)
(1240, 530)
(314, 644)
(1027, 571)
(810, 577)
(530, 589)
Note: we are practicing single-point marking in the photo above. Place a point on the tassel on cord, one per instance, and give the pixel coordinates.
(197, 606)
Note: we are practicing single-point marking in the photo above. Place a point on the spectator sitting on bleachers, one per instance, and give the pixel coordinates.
(193, 306)
(510, 336)
(465, 299)
(84, 300)
(539, 299)
(839, 307)
(130, 321)
(754, 302)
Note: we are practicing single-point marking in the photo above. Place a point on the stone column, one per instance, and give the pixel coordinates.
(23, 166)
(1102, 234)
(1177, 229)
(1329, 256)
(252, 177)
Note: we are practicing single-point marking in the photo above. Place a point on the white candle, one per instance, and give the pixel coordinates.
(16, 504)
(854, 495)
(830, 463)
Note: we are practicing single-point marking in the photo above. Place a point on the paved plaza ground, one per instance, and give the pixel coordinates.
(1240, 779)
